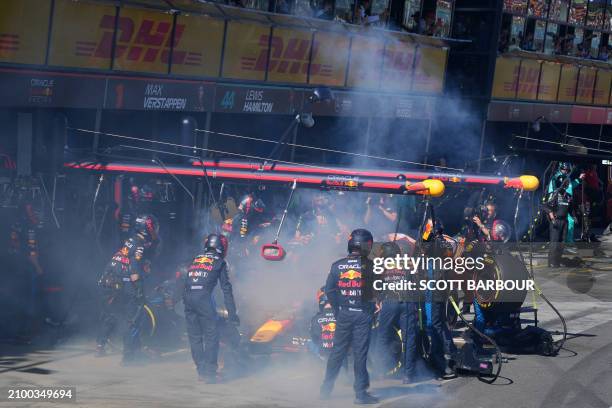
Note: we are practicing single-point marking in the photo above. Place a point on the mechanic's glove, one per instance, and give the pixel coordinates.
(234, 320)
(139, 295)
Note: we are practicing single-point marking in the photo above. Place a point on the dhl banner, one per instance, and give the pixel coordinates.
(246, 51)
(516, 78)
(82, 35)
(567, 85)
(586, 83)
(103, 36)
(198, 41)
(528, 79)
(429, 70)
(289, 55)
(549, 81)
(505, 81)
(397, 66)
(602, 87)
(143, 40)
(329, 59)
(365, 64)
(24, 27)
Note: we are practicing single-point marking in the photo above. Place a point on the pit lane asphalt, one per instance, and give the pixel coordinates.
(581, 376)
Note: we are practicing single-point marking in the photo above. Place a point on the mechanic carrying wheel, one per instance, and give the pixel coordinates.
(349, 290)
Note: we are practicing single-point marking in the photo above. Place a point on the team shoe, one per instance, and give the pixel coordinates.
(208, 378)
(365, 398)
(325, 393)
(134, 360)
(447, 374)
(100, 351)
(131, 362)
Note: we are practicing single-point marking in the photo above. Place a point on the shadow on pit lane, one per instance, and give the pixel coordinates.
(566, 353)
(24, 365)
(28, 358)
(502, 381)
(394, 391)
(10, 361)
(581, 280)
(37, 370)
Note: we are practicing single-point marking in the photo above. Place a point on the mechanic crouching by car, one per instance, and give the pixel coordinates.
(349, 291)
(123, 291)
(200, 312)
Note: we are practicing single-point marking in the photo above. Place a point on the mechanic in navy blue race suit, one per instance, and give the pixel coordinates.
(442, 345)
(349, 291)
(202, 276)
(397, 309)
(122, 285)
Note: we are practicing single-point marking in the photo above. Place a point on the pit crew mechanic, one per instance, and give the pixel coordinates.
(485, 221)
(557, 207)
(398, 308)
(349, 290)
(442, 345)
(122, 287)
(197, 285)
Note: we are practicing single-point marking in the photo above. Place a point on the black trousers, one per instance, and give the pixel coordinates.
(558, 233)
(352, 330)
(202, 330)
(442, 339)
(404, 315)
(122, 306)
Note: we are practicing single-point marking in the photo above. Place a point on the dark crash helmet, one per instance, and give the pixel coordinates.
(320, 200)
(143, 193)
(147, 226)
(360, 241)
(216, 243)
(565, 167)
(501, 231)
(249, 203)
(390, 249)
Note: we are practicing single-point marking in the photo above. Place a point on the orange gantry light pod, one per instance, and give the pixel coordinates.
(430, 187)
(525, 182)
